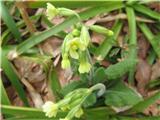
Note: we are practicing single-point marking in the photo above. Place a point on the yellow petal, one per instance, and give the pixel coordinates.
(84, 67)
(74, 54)
(65, 63)
(50, 109)
(79, 113)
(51, 11)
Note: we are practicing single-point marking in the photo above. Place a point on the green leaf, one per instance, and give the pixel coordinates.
(22, 111)
(70, 3)
(99, 75)
(153, 40)
(5, 99)
(132, 41)
(7, 18)
(141, 106)
(147, 11)
(36, 39)
(100, 113)
(119, 95)
(119, 69)
(54, 82)
(9, 71)
(90, 100)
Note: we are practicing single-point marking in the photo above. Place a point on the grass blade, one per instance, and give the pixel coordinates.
(22, 111)
(54, 82)
(9, 71)
(7, 18)
(132, 41)
(70, 3)
(5, 99)
(36, 39)
(146, 11)
(154, 41)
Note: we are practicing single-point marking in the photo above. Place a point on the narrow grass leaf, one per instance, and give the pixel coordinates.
(54, 82)
(70, 3)
(154, 41)
(9, 71)
(4, 95)
(132, 41)
(147, 11)
(7, 18)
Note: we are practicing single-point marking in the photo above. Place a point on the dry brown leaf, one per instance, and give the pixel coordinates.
(97, 38)
(35, 96)
(52, 46)
(143, 46)
(143, 74)
(29, 70)
(155, 70)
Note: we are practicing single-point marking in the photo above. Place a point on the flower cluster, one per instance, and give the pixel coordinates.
(75, 47)
(72, 102)
(75, 44)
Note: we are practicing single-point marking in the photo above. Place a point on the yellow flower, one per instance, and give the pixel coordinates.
(50, 109)
(51, 11)
(73, 46)
(65, 63)
(79, 113)
(84, 67)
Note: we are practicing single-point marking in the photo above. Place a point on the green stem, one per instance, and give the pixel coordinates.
(101, 87)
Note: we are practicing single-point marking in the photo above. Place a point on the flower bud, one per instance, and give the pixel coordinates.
(76, 32)
(85, 37)
(65, 63)
(102, 30)
(51, 11)
(67, 12)
(50, 109)
(84, 66)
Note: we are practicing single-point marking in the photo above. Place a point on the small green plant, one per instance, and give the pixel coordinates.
(98, 81)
